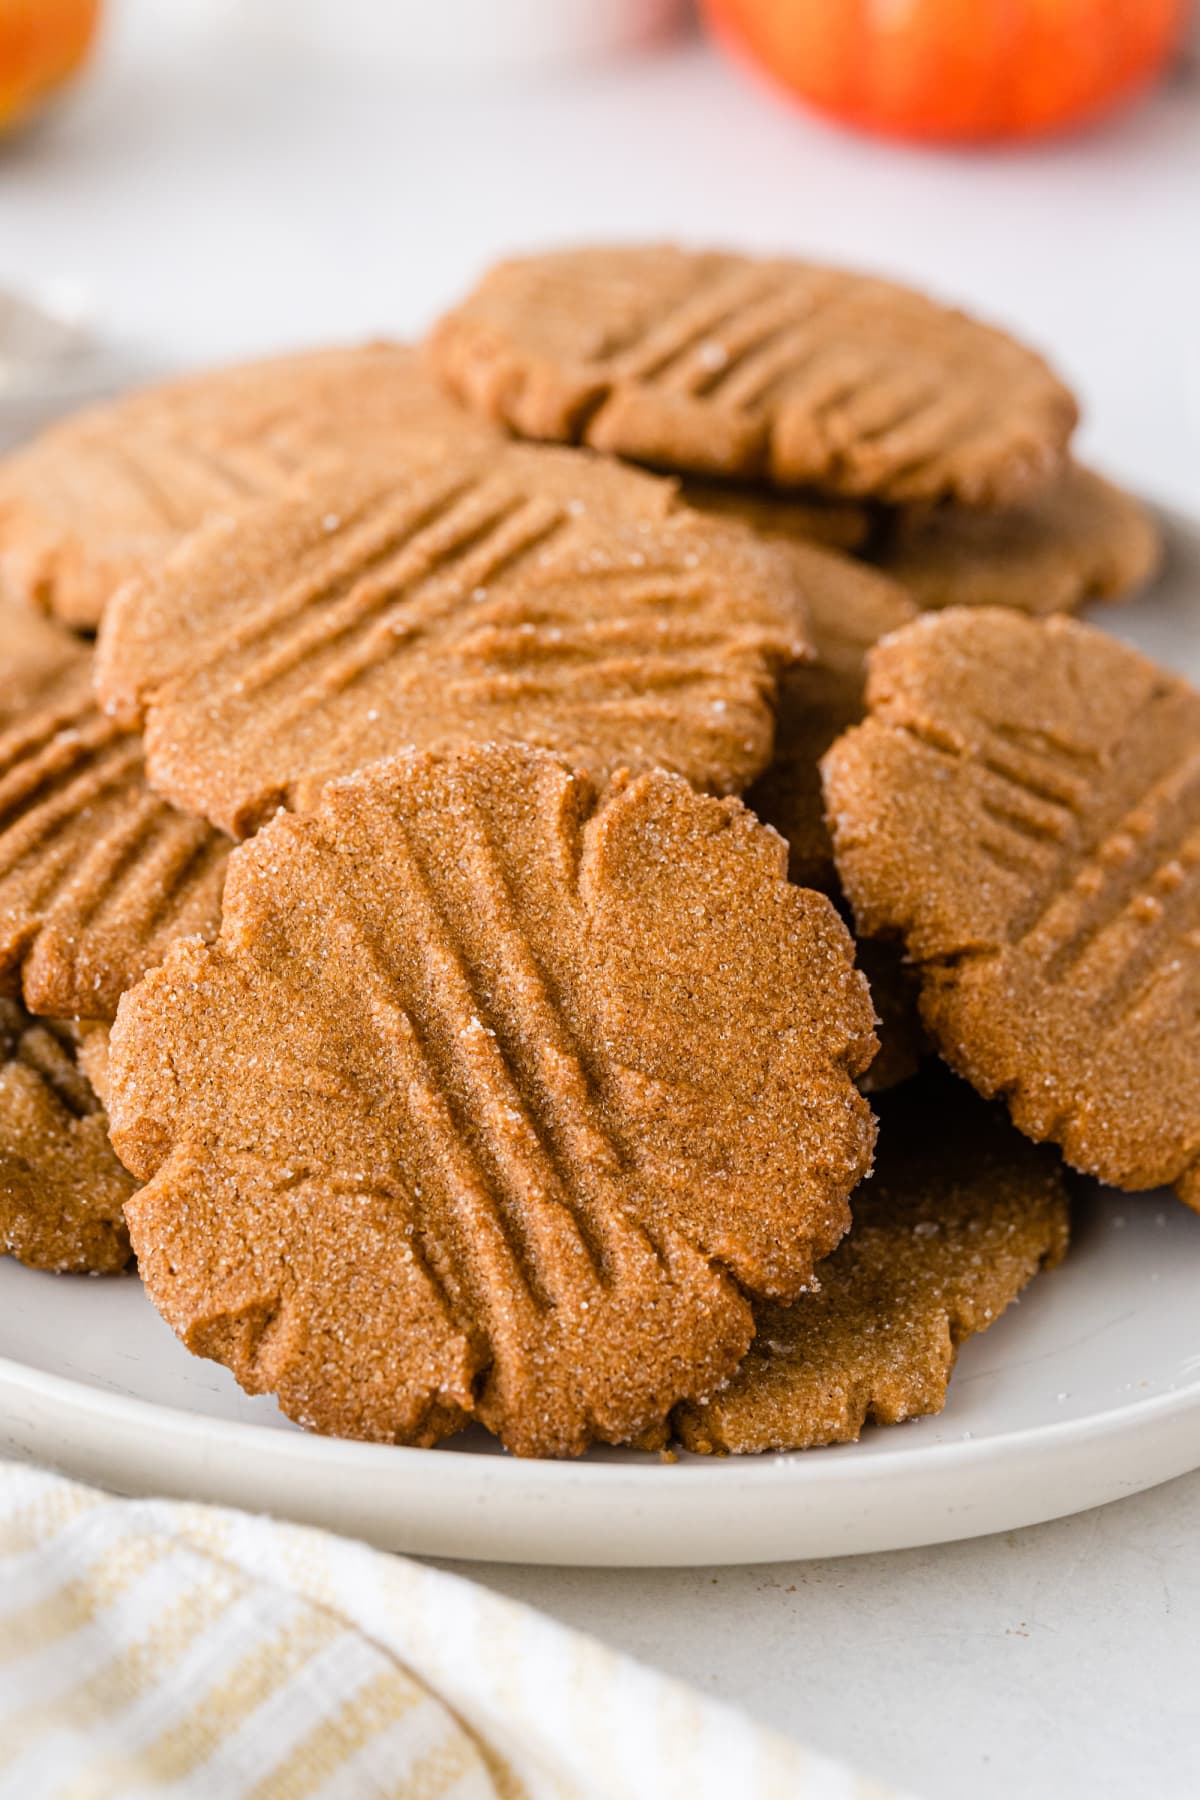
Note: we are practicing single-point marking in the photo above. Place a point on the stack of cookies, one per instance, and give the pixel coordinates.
(499, 843)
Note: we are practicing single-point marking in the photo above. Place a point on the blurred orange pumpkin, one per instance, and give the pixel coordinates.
(42, 43)
(955, 70)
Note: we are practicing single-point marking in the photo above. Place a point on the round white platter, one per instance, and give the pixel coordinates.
(1088, 1390)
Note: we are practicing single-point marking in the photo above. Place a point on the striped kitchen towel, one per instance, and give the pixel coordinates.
(152, 1648)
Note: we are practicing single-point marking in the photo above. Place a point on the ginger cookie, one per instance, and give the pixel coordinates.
(716, 364)
(848, 607)
(1022, 807)
(62, 1189)
(494, 1099)
(91, 1038)
(895, 994)
(33, 655)
(960, 1216)
(97, 873)
(797, 518)
(105, 495)
(1076, 539)
(515, 594)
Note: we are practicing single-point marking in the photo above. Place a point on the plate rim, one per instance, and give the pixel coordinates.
(957, 1455)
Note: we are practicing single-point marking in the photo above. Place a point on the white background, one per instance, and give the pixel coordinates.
(211, 194)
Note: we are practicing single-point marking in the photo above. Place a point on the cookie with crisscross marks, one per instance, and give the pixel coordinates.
(495, 1098)
(960, 1215)
(1022, 806)
(512, 593)
(1077, 538)
(97, 873)
(105, 495)
(711, 363)
(62, 1189)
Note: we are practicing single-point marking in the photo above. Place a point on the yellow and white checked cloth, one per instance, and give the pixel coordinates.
(151, 1648)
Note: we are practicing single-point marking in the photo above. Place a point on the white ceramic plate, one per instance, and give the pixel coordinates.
(1086, 1391)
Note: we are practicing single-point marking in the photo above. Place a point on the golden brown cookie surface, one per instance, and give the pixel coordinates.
(62, 1189)
(491, 1099)
(848, 607)
(515, 594)
(960, 1215)
(1022, 805)
(107, 494)
(1076, 539)
(711, 363)
(895, 992)
(797, 518)
(34, 653)
(97, 874)
(91, 1038)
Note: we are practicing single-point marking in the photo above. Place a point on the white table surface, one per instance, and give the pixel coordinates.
(212, 196)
